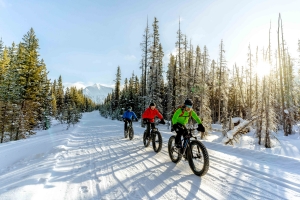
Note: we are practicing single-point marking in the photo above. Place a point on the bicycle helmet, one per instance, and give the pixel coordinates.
(188, 102)
(152, 104)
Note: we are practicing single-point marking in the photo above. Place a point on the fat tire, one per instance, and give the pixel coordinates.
(126, 133)
(145, 140)
(154, 144)
(131, 133)
(204, 154)
(171, 144)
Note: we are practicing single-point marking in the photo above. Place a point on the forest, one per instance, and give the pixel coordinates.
(28, 99)
(266, 102)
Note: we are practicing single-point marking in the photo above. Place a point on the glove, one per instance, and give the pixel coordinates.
(162, 121)
(124, 120)
(201, 128)
(136, 120)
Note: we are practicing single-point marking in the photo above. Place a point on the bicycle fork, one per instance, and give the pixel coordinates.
(184, 148)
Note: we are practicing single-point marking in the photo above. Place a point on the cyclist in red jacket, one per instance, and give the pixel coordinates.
(150, 113)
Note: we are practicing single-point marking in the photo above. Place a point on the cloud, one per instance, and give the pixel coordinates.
(78, 85)
(130, 57)
(82, 85)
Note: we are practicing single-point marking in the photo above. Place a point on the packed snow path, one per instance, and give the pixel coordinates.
(93, 160)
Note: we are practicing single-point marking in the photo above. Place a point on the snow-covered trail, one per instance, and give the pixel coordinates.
(94, 161)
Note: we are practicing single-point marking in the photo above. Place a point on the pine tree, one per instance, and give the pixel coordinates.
(249, 96)
(156, 55)
(53, 99)
(44, 99)
(171, 91)
(145, 45)
(181, 90)
(4, 92)
(29, 66)
(1, 47)
(59, 99)
(117, 88)
(223, 90)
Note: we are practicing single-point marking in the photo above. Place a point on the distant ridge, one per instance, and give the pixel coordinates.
(97, 92)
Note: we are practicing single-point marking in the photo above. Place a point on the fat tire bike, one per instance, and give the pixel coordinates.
(154, 136)
(192, 150)
(129, 132)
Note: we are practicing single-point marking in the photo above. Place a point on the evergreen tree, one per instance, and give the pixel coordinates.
(117, 89)
(1, 47)
(181, 90)
(44, 99)
(59, 99)
(145, 45)
(29, 67)
(171, 91)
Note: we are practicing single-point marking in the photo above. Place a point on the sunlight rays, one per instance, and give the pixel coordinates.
(263, 69)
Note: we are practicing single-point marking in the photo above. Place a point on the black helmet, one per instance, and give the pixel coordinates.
(152, 104)
(129, 108)
(188, 102)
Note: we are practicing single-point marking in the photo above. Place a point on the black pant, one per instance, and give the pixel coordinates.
(125, 124)
(148, 127)
(180, 131)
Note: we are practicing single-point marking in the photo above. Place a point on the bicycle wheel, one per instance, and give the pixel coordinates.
(198, 158)
(146, 140)
(156, 141)
(130, 133)
(174, 154)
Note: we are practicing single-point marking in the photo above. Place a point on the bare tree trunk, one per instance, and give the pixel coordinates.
(281, 81)
(220, 78)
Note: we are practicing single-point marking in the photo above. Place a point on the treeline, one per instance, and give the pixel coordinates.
(219, 92)
(28, 99)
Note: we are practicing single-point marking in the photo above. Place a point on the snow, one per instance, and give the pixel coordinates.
(92, 160)
(236, 119)
(231, 133)
(97, 85)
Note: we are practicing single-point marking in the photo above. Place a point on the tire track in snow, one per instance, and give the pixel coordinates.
(258, 174)
(214, 182)
(110, 178)
(244, 192)
(204, 191)
(206, 188)
(211, 184)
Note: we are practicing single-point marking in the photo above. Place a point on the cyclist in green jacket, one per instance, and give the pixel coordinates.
(181, 118)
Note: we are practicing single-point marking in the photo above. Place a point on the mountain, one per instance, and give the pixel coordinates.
(97, 92)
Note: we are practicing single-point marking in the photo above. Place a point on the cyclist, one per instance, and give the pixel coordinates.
(181, 118)
(127, 117)
(149, 114)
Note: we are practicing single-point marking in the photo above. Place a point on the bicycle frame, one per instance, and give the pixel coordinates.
(187, 139)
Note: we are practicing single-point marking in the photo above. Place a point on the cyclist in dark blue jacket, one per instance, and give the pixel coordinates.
(127, 117)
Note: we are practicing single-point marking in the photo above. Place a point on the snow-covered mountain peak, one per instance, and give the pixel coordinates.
(97, 85)
(97, 92)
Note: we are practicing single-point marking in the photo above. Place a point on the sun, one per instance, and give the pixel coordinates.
(263, 69)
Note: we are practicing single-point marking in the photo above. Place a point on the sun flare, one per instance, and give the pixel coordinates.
(263, 69)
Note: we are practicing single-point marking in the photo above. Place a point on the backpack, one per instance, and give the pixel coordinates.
(182, 111)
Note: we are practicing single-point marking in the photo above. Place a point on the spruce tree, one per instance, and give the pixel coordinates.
(60, 99)
(145, 45)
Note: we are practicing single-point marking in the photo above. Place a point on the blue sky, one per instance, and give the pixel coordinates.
(85, 41)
